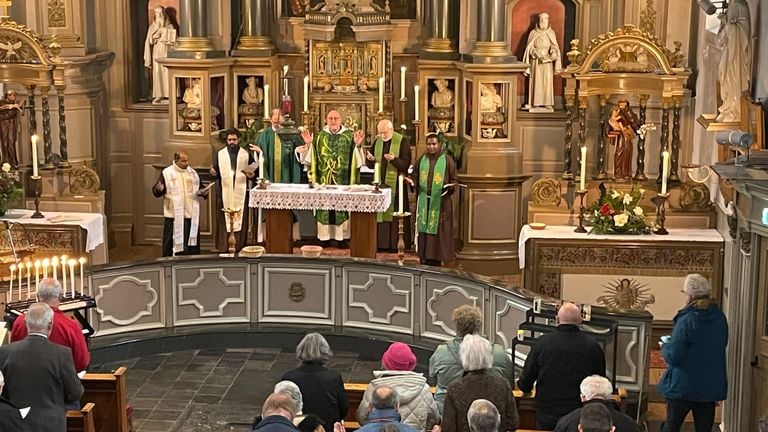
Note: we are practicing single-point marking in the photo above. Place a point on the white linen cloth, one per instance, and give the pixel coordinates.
(92, 223)
(354, 198)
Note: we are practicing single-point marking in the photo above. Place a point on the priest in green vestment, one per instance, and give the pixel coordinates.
(280, 164)
(393, 154)
(335, 156)
(435, 179)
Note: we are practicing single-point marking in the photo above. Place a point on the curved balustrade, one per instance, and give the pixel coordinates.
(345, 293)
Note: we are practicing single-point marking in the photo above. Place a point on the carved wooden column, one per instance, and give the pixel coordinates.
(582, 127)
(664, 143)
(675, 153)
(640, 171)
(62, 127)
(31, 107)
(193, 28)
(600, 168)
(47, 143)
(439, 44)
(568, 147)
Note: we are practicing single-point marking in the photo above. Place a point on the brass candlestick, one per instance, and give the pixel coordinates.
(262, 184)
(37, 182)
(580, 228)
(232, 242)
(661, 213)
(400, 235)
(376, 188)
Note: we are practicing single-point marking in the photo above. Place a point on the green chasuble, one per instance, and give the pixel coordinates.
(428, 206)
(333, 163)
(278, 154)
(390, 177)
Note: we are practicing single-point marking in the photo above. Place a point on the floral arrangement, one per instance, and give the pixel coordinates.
(10, 189)
(619, 212)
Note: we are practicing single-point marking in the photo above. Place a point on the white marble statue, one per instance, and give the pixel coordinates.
(542, 53)
(252, 94)
(443, 97)
(735, 64)
(160, 37)
(490, 100)
(193, 95)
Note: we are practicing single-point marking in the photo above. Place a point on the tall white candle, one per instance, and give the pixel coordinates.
(381, 94)
(21, 270)
(54, 265)
(583, 176)
(261, 166)
(306, 93)
(285, 70)
(71, 263)
(402, 82)
(266, 101)
(29, 277)
(376, 173)
(416, 102)
(46, 263)
(34, 155)
(81, 260)
(400, 194)
(664, 171)
(37, 274)
(13, 270)
(64, 272)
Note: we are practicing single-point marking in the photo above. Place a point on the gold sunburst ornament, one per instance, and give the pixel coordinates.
(628, 294)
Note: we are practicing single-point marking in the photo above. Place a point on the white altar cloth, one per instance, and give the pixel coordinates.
(92, 223)
(566, 232)
(355, 198)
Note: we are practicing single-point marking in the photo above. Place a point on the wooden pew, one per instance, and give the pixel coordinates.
(81, 421)
(107, 392)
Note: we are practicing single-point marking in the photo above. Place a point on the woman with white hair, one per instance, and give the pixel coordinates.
(478, 383)
(695, 378)
(322, 388)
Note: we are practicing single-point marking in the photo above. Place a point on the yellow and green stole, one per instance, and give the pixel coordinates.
(428, 207)
(390, 178)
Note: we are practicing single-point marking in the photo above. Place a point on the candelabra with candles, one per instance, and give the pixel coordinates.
(53, 267)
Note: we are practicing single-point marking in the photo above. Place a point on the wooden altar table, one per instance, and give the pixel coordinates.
(642, 272)
(279, 199)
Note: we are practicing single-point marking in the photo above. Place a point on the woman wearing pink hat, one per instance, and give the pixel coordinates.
(417, 406)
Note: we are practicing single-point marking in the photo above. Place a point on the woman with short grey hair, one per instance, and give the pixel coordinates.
(479, 382)
(321, 387)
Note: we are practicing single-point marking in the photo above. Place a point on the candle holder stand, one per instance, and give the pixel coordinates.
(231, 242)
(403, 103)
(37, 190)
(661, 213)
(580, 228)
(416, 131)
(400, 235)
(376, 188)
(262, 184)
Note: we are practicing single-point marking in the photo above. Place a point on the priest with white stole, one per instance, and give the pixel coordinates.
(180, 187)
(233, 166)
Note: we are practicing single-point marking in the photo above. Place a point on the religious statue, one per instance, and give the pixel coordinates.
(542, 53)
(253, 108)
(621, 129)
(441, 115)
(193, 95)
(10, 111)
(373, 66)
(160, 37)
(321, 64)
(252, 94)
(735, 64)
(490, 101)
(443, 97)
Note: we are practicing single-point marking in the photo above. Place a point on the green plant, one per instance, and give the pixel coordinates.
(617, 212)
(10, 187)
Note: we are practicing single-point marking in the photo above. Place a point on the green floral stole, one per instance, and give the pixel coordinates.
(429, 214)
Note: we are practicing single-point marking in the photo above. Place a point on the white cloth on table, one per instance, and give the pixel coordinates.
(92, 223)
(355, 198)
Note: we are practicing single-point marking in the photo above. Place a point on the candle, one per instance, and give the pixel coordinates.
(81, 260)
(266, 100)
(46, 263)
(37, 274)
(29, 277)
(416, 102)
(583, 179)
(13, 270)
(285, 70)
(21, 270)
(376, 173)
(381, 94)
(34, 155)
(306, 93)
(664, 170)
(64, 271)
(400, 194)
(54, 265)
(402, 82)
(261, 167)
(71, 263)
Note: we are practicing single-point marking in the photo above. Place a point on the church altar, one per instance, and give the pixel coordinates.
(73, 233)
(360, 200)
(631, 272)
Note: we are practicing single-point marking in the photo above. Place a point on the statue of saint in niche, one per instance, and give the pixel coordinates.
(621, 129)
(542, 53)
(10, 112)
(490, 100)
(252, 94)
(734, 72)
(160, 37)
(443, 97)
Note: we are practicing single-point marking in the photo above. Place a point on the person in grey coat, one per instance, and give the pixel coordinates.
(40, 374)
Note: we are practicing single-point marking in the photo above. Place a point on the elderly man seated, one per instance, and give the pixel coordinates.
(384, 412)
(595, 418)
(483, 417)
(304, 422)
(277, 414)
(597, 390)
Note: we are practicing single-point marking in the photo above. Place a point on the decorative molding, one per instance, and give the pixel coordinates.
(406, 294)
(694, 196)
(547, 191)
(83, 180)
(145, 283)
(441, 292)
(57, 14)
(220, 308)
(291, 316)
(297, 292)
(607, 257)
(626, 294)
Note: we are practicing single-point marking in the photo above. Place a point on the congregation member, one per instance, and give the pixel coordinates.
(483, 417)
(233, 166)
(445, 367)
(557, 363)
(304, 422)
(478, 383)
(434, 177)
(393, 154)
(180, 187)
(695, 379)
(321, 387)
(596, 418)
(335, 155)
(10, 415)
(596, 389)
(40, 374)
(65, 330)
(417, 407)
(277, 414)
(384, 413)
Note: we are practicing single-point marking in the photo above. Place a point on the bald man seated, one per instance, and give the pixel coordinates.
(557, 363)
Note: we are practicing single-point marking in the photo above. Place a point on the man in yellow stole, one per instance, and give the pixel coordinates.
(233, 166)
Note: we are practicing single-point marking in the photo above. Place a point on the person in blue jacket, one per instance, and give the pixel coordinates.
(695, 354)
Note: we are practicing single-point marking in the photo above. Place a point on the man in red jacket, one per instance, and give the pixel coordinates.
(65, 331)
